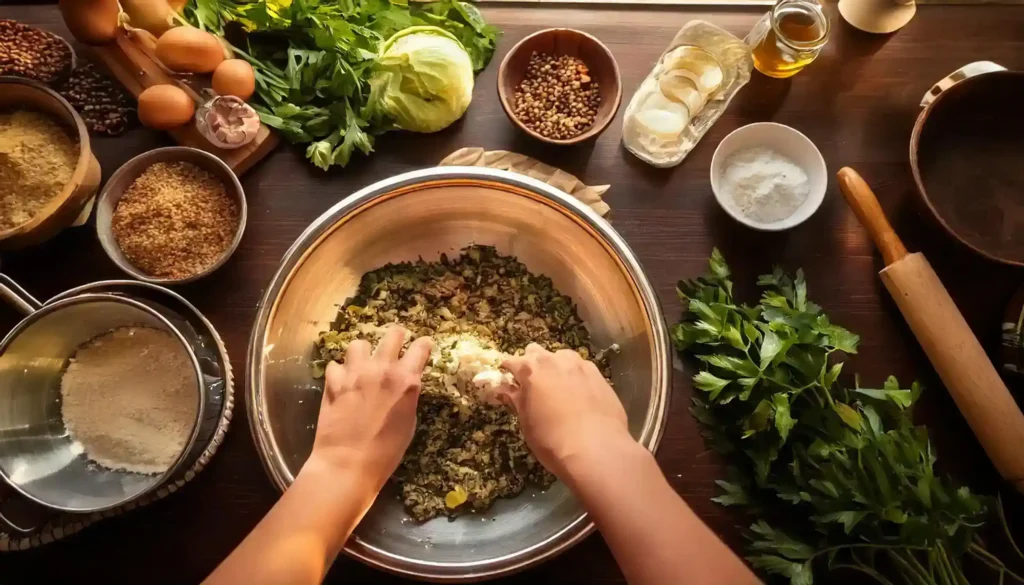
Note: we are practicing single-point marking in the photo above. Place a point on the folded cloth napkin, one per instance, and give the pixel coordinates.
(531, 167)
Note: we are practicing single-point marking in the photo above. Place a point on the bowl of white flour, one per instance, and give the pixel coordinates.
(768, 176)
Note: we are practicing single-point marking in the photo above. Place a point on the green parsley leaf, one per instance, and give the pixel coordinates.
(708, 382)
(734, 494)
(845, 468)
(783, 419)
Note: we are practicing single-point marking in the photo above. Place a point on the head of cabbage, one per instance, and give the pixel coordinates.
(424, 79)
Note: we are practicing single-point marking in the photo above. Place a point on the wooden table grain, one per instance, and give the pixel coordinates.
(857, 102)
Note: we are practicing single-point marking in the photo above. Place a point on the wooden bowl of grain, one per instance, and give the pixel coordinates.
(70, 201)
(600, 68)
(171, 215)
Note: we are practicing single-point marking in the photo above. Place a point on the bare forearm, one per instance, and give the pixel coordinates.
(655, 537)
(300, 537)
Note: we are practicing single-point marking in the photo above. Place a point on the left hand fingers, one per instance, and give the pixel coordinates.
(388, 348)
(333, 381)
(416, 356)
(358, 353)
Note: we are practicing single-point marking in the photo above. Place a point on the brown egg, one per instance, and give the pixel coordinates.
(234, 77)
(93, 22)
(163, 107)
(190, 50)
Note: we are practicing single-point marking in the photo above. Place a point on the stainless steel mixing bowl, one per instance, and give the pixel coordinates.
(422, 214)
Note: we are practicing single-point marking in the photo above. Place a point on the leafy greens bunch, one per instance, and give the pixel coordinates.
(845, 470)
(316, 60)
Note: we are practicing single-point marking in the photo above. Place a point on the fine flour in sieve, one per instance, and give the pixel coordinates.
(764, 185)
(129, 398)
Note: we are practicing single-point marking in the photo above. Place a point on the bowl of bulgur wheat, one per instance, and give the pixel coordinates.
(171, 215)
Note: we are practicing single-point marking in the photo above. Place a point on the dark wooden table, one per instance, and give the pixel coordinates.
(858, 103)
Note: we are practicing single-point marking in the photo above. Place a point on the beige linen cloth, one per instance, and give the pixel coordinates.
(531, 167)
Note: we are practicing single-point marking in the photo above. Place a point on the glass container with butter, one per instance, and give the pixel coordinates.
(685, 93)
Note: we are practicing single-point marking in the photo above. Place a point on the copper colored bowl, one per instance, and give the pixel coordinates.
(423, 214)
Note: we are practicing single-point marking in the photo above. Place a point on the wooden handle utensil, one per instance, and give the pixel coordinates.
(952, 347)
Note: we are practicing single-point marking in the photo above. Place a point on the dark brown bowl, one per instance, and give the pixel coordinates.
(563, 41)
(965, 153)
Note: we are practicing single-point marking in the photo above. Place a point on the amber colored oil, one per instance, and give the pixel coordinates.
(793, 40)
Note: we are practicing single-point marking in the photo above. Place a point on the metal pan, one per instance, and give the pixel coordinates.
(46, 474)
(966, 152)
(423, 214)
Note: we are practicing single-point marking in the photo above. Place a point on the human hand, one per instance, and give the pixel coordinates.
(566, 408)
(368, 412)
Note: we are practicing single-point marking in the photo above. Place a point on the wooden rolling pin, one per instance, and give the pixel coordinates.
(954, 351)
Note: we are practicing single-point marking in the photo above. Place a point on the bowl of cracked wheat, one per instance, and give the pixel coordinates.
(48, 174)
(485, 262)
(171, 215)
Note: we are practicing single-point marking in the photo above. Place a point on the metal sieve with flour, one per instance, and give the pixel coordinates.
(37, 457)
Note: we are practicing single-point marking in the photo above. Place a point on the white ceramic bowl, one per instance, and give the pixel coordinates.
(785, 141)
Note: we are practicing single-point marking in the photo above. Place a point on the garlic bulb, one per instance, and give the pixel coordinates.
(228, 122)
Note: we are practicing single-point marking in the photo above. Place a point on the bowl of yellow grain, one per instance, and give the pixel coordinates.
(48, 174)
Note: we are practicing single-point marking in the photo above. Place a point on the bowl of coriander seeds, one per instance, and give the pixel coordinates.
(171, 215)
(560, 86)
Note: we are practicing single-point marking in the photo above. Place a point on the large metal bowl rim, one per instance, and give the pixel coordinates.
(333, 219)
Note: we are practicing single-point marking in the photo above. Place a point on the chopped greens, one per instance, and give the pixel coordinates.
(466, 453)
(855, 477)
(314, 60)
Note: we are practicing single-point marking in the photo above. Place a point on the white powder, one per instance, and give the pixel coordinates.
(470, 367)
(764, 185)
(128, 398)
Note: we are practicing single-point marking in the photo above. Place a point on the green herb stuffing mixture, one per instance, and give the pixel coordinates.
(322, 80)
(478, 307)
(838, 477)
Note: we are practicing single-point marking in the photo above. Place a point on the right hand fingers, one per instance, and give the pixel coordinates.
(535, 348)
(520, 368)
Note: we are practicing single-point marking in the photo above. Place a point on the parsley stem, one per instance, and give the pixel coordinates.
(913, 561)
(915, 577)
(992, 561)
(953, 574)
(866, 570)
(1001, 512)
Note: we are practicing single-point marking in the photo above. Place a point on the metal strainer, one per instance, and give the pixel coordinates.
(37, 457)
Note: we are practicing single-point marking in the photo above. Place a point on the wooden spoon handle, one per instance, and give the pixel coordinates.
(865, 205)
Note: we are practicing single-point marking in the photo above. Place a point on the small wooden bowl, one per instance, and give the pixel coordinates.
(563, 41)
(64, 209)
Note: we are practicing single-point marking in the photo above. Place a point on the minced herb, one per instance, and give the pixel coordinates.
(466, 453)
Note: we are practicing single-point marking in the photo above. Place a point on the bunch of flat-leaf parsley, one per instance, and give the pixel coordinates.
(837, 476)
(313, 60)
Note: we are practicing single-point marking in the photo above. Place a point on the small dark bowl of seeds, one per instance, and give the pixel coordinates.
(560, 85)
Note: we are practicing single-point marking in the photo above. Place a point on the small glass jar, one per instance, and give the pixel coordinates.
(789, 37)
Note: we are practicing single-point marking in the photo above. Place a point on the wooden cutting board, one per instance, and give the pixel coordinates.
(132, 60)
